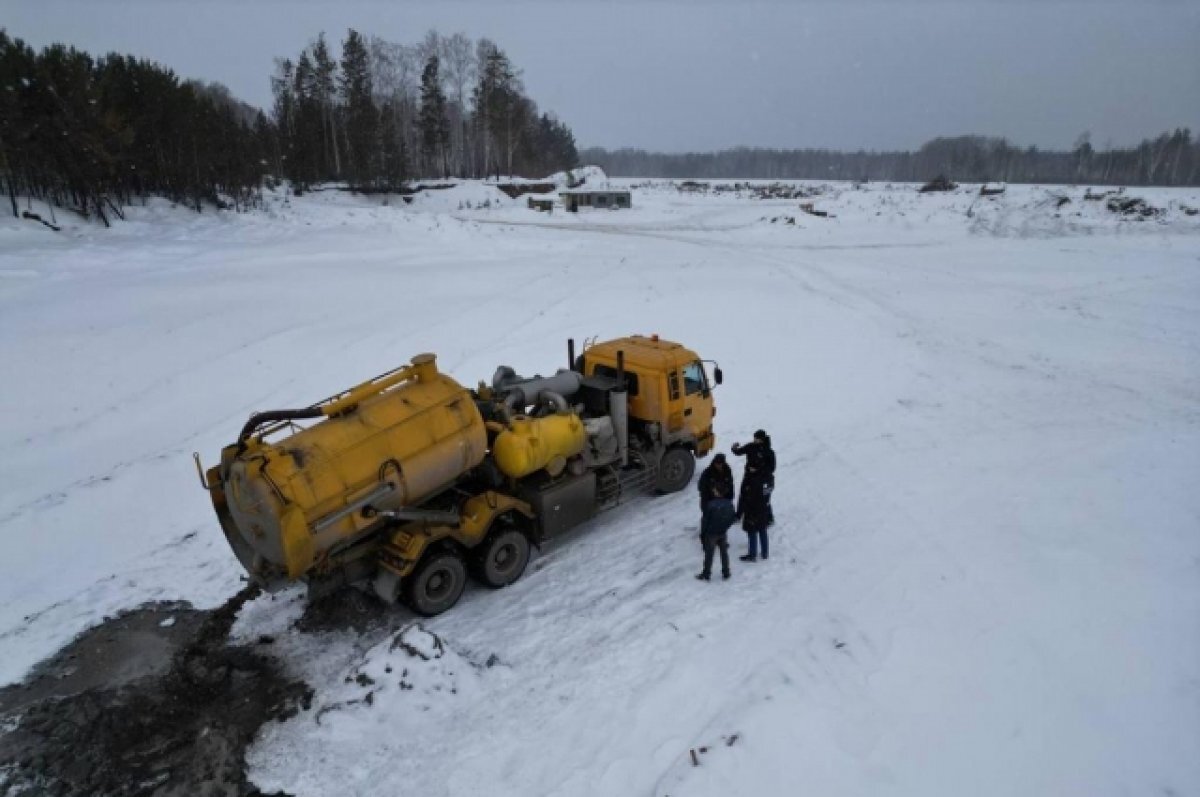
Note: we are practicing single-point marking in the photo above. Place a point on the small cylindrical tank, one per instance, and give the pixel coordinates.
(530, 444)
(284, 504)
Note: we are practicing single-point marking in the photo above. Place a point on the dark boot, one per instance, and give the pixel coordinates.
(702, 576)
(748, 558)
(726, 574)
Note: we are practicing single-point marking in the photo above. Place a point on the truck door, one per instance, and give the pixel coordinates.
(697, 401)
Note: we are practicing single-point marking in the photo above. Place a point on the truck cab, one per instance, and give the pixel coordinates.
(669, 389)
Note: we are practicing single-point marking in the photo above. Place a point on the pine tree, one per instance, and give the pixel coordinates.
(284, 112)
(394, 156)
(308, 137)
(362, 122)
(434, 125)
(495, 98)
(324, 92)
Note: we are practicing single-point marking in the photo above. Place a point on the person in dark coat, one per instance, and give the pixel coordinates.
(754, 499)
(719, 515)
(760, 457)
(754, 510)
(716, 481)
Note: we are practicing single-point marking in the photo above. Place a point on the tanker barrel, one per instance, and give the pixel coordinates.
(389, 444)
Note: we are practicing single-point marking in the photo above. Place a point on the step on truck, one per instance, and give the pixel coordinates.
(410, 482)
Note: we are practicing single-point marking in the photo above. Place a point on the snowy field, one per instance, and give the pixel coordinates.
(985, 577)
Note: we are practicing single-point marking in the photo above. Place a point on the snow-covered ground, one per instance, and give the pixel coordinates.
(986, 573)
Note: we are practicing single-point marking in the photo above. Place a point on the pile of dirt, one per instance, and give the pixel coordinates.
(347, 607)
(1132, 207)
(774, 190)
(153, 702)
(939, 183)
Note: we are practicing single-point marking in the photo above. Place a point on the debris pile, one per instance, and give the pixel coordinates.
(939, 183)
(411, 669)
(1132, 207)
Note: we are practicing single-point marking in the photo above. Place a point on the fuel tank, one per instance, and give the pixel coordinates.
(530, 444)
(286, 501)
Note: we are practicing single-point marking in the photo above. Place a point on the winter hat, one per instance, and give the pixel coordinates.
(719, 458)
(761, 435)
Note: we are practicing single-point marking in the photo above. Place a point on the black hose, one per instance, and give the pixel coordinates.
(270, 416)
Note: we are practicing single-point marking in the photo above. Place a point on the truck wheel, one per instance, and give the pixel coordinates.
(436, 584)
(503, 559)
(675, 470)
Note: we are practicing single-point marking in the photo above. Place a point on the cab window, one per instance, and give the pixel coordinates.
(693, 378)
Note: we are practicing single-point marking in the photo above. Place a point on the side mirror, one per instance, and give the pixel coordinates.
(717, 375)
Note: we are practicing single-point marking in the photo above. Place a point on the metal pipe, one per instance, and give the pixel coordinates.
(520, 393)
(504, 375)
(518, 400)
(571, 354)
(349, 509)
(259, 418)
(448, 517)
(423, 368)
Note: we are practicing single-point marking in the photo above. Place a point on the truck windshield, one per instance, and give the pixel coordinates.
(693, 378)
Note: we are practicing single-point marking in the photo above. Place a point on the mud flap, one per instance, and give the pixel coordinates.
(387, 585)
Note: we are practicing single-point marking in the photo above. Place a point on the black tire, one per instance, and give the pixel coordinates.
(502, 559)
(436, 584)
(675, 470)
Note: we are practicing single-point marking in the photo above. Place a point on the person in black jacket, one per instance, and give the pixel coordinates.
(760, 457)
(719, 515)
(715, 482)
(754, 499)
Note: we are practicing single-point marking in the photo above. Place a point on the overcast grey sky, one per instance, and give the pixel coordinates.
(678, 76)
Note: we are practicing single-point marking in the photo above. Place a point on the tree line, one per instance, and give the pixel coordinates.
(93, 135)
(386, 112)
(1172, 158)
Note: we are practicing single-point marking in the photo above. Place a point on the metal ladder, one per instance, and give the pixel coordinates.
(615, 487)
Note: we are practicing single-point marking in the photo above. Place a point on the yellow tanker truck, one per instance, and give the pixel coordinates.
(410, 481)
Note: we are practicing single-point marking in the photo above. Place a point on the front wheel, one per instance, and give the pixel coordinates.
(436, 584)
(675, 470)
(503, 559)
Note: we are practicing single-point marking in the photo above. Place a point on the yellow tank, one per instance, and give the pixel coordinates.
(389, 443)
(530, 444)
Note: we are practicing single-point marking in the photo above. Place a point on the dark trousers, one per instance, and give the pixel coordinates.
(757, 537)
(711, 542)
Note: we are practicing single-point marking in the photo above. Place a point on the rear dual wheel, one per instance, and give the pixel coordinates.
(502, 559)
(438, 581)
(436, 584)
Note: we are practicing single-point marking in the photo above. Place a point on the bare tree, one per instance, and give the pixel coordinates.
(459, 71)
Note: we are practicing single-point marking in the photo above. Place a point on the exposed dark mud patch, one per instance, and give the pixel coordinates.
(136, 707)
(348, 607)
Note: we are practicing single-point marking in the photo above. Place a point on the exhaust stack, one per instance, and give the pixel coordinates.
(618, 409)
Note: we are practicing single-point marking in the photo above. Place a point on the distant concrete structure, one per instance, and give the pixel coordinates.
(575, 199)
